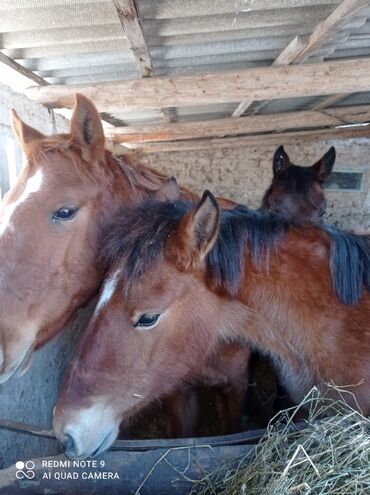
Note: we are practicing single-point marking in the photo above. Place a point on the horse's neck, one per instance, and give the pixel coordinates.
(290, 325)
(140, 182)
(133, 182)
(269, 323)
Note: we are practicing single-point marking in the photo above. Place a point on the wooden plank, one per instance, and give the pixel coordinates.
(245, 125)
(241, 108)
(291, 51)
(22, 70)
(258, 84)
(129, 18)
(285, 58)
(341, 14)
(328, 102)
(326, 28)
(296, 137)
(257, 107)
(301, 48)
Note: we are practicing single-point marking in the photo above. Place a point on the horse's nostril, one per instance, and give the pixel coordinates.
(68, 444)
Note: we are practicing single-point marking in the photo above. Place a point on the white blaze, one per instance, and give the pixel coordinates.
(108, 290)
(33, 185)
(93, 429)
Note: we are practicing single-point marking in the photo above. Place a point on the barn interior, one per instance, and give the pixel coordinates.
(204, 91)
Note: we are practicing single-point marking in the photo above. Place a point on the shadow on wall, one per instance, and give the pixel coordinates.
(31, 398)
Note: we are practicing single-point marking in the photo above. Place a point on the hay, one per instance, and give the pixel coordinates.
(331, 455)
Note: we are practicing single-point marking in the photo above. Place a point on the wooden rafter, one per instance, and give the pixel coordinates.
(290, 52)
(330, 25)
(25, 72)
(346, 10)
(301, 48)
(22, 70)
(285, 58)
(261, 140)
(129, 18)
(327, 102)
(236, 127)
(261, 83)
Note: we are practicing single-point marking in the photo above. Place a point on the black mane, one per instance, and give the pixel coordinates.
(349, 263)
(138, 236)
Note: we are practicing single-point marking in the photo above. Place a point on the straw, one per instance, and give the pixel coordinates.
(331, 455)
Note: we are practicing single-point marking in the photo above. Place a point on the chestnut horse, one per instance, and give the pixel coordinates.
(186, 278)
(297, 192)
(51, 221)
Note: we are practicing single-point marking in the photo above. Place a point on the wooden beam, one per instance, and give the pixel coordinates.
(22, 70)
(328, 102)
(301, 48)
(129, 18)
(258, 84)
(341, 14)
(261, 140)
(285, 58)
(291, 51)
(241, 108)
(326, 28)
(246, 125)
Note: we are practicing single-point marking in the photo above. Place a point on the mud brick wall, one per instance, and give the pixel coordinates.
(244, 173)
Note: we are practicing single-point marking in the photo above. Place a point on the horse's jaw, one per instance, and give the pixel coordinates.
(18, 368)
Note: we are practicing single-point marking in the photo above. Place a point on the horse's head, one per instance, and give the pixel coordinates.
(155, 324)
(297, 192)
(49, 224)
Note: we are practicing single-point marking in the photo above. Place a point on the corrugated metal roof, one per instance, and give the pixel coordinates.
(82, 41)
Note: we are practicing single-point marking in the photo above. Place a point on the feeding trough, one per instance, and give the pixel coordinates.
(329, 449)
(129, 467)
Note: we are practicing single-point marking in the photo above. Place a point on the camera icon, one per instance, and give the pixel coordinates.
(25, 470)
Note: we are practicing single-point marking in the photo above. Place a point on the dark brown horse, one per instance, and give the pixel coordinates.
(51, 222)
(187, 278)
(297, 192)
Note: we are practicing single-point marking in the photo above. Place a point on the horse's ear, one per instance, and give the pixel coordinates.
(197, 232)
(324, 166)
(87, 128)
(280, 161)
(169, 191)
(25, 134)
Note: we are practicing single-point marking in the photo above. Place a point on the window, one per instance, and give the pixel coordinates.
(345, 181)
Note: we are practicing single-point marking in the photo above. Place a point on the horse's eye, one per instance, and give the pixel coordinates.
(147, 320)
(65, 213)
